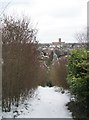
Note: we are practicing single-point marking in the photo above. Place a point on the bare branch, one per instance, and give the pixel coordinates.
(5, 8)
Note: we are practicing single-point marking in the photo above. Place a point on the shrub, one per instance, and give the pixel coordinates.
(58, 72)
(21, 61)
(78, 75)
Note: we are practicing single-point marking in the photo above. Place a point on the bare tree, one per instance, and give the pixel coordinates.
(83, 37)
(88, 37)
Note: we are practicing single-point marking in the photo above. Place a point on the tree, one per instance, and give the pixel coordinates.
(88, 38)
(83, 37)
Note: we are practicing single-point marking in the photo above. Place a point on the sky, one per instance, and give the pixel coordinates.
(53, 18)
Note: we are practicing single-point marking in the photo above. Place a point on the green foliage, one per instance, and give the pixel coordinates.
(78, 75)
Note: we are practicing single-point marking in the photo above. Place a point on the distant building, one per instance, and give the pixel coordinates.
(58, 44)
(59, 40)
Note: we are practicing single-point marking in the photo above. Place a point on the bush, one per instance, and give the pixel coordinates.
(78, 75)
(21, 61)
(58, 73)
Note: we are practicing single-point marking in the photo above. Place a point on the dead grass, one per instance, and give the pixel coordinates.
(58, 72)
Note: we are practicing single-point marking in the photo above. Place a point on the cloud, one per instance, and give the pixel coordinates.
(55, 17)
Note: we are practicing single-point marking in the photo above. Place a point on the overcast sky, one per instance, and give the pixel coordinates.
(53, 18)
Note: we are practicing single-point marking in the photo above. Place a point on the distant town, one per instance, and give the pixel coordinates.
(58, 48)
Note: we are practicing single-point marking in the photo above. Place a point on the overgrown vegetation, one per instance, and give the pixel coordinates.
(58, 72)
(21, 65)
(78, 77)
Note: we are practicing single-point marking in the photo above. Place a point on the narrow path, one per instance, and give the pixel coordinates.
(46, 103)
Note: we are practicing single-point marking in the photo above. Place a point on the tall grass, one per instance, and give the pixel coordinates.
(21, 68)
(58, 72)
